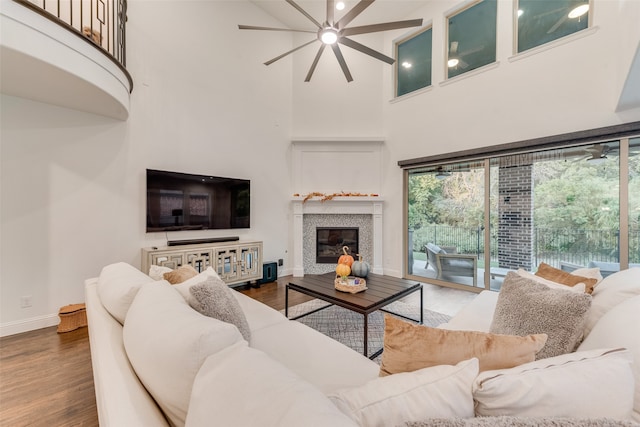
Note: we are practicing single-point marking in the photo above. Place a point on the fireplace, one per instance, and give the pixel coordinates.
(331, 240)
(361, 213)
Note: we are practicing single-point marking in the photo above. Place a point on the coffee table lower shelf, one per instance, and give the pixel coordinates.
(382, 291)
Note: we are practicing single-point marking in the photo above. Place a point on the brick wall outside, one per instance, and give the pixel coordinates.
(515, 209)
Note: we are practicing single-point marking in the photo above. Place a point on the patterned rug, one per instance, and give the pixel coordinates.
(347, 326)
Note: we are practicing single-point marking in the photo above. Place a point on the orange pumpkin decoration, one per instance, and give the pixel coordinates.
(346, 258)
(343, 270)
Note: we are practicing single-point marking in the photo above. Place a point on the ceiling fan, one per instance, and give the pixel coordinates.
(597, 153)
(333, 32)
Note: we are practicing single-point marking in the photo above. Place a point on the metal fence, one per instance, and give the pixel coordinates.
(101, 22)
(549, 245)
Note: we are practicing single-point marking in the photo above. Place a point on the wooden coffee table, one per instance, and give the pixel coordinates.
(382, 291)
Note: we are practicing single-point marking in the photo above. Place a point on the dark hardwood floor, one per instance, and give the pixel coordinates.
(46, 378)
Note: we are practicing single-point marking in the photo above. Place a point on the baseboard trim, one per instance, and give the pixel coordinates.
(26, 325)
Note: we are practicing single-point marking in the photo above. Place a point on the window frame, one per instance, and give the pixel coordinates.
(516, 29)
(447, 17)
(396, 44)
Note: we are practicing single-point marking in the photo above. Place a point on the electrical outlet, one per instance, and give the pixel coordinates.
(26, 301)
(280, 262)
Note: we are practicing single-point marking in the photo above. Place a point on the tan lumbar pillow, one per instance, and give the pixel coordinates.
(559, 276)
(180, 274)
(408, 347)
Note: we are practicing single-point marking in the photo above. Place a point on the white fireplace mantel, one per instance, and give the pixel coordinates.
(339, 205)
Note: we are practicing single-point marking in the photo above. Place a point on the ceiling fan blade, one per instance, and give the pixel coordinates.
(341, 61)
(315, 63)
(304, 12)
(364, 29)
(271, 61)
(355, 11)
(366, 50)
(253, 27)
(330, 9)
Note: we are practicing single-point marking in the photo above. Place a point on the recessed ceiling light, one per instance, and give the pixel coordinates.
(406, 64)
(453, 62)
(579, 11)
(340, 5)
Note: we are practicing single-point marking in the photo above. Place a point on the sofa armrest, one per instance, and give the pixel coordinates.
(120, 397)
(472, 259)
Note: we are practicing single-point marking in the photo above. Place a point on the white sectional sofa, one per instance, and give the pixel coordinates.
(157, 362)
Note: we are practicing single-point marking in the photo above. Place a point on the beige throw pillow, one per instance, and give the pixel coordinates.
(526, 307)
(559, 276)
(409, 347)
(180, 274)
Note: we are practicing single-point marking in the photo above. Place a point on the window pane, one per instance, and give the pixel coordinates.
(542, 21)
(445, 218)
(472, 38)
(634, 202)
(560, 207)
(413, 65)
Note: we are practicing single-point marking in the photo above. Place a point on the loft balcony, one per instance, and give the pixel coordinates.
(69, 53)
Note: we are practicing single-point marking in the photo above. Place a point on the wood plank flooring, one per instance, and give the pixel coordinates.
(46, 378)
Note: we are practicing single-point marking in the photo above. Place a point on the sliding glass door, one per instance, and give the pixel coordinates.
(469, 223)
(445, 218)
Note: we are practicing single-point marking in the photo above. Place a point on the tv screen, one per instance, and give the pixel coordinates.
(181, 201)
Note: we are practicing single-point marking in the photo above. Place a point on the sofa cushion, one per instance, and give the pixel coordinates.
(439, 391)
(258, 315)
(612, 291)
(118, 285)
(559, 276)
(243, 387)
(580, 287)
(596, 383)
(476, 315)
(316, 358)
(213, 298)
(156, 272)
(180, 274)
(526, 307)
(184, 287)
(619, 327)
(167, 342)
(409, 347)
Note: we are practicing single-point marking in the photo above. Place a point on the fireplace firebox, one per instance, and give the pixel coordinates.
(331, 240)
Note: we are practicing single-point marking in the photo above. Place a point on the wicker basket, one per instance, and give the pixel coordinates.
(72, 317)
(349, 285)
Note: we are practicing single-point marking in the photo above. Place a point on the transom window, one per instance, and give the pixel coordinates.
(543, 21)
(413, 64)
(471, 38)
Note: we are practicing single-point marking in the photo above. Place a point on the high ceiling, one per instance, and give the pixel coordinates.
(379, 11)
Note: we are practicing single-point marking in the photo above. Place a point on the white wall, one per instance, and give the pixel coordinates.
(72, 183)
(570, 87)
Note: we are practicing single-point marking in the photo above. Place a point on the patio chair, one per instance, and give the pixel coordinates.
(448, 264)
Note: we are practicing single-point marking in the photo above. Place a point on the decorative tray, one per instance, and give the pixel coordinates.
(352, 285)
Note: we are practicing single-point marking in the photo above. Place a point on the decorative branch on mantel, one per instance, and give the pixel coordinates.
(325, 196)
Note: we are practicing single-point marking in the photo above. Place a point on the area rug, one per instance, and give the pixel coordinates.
(347, 326)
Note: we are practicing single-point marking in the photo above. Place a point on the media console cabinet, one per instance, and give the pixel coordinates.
(235, 262)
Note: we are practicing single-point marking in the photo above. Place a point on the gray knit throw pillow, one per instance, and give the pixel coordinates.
(526, 307)
(213, 298)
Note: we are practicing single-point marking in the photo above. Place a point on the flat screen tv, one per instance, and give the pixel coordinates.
(180, 201)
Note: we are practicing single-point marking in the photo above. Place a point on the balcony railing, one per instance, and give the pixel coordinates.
(100, 22)
(548, 245)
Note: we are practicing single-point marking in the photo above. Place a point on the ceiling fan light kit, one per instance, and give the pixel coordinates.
(335, 32)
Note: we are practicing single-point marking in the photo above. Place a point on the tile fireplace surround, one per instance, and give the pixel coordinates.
(362, 212)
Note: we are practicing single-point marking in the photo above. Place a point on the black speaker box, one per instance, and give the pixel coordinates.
(269, 273)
